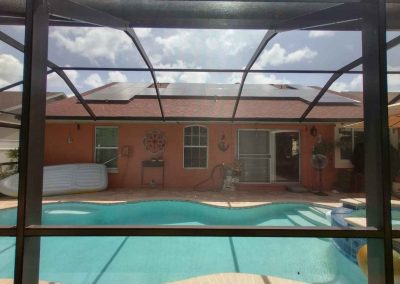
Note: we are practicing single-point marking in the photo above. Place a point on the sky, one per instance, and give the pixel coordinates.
(191, 48)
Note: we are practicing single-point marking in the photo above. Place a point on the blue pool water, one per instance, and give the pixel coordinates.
(165, 259)
(176, 213)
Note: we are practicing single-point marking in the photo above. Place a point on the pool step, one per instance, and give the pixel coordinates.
(299, 221)
(319, 211)
(313, 218)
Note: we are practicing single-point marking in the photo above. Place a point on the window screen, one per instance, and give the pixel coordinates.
(195, 147)
(107, 146)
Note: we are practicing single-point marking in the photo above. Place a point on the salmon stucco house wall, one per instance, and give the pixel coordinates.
(75, 143)
(265, 135)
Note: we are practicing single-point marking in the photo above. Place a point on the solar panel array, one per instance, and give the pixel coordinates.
(119, 92)
(123, 92)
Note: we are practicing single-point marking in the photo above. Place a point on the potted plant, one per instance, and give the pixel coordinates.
(231, 176)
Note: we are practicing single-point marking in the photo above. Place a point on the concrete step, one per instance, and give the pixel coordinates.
(299, 221)
(314, 218)
(319, 211)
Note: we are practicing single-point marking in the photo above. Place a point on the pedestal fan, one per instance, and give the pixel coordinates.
(319, 162)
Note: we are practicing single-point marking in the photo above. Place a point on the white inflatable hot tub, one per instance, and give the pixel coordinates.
(64, 179)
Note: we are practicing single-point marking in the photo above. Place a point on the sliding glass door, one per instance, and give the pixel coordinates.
(268, 156)
(254, 155)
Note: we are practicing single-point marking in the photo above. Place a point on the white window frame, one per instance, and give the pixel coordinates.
(110, 170)
(346, 164)
(197, 146)
(339, 162)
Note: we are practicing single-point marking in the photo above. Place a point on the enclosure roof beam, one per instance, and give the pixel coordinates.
(392, 43)
(331, 14)
(266, 15)
(267, 38)
(394, 100)
(19, 46)
(5, 88)
(132, 35)
(72, 10)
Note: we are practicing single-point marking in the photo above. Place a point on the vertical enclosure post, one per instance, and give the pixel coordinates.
(377, 166)
(32, 140)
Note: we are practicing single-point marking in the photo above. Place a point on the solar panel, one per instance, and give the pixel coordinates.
(222, 90)
(304, 93)
(119, 92)
(122, 92)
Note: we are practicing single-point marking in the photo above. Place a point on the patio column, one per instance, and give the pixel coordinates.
(377, 169)
(32, 140)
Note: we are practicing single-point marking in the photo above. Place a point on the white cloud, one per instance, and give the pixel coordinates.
(55, 83)
(72, 75)
(393, 79)
(278, 55)
(167, 77)
(393, 82)
(205, 43)
(116, 76)
(194, 77)
(225, 43)
(178, 64)
(354, 85)
(11, 69)
(339, 87)
(143, 32)
(188, 77)
(185, 77)
(94, 81)
(175, 43)
(92, 43)
(316, 34)
(203, 48)
(257, 78)
(170, 77)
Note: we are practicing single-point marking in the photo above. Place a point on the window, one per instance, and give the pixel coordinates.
(106, 146)
(346, 139)
(195, 147)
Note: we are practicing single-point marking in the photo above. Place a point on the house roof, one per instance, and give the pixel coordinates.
(208, 102)
(12, 101)
(11, 104)
(124, 92)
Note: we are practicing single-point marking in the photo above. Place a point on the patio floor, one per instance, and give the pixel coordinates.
(239, 198)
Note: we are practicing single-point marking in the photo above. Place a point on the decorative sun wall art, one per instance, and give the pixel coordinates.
(154, 141)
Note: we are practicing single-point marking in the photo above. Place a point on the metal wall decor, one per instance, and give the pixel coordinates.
(154, 141)
(222, 144)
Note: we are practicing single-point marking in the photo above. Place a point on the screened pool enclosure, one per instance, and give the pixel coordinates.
(271, 154)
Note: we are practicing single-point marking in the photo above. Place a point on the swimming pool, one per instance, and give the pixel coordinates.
(176, 213)
(165, 259)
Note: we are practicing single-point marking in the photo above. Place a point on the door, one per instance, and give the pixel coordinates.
(254, 155)
(269, 156)
(287, 152)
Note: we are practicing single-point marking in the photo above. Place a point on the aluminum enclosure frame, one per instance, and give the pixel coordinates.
(29, 228)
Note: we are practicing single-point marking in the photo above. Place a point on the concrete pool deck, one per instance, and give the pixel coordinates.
(221, 278)
(236, 278)
(239, 198)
